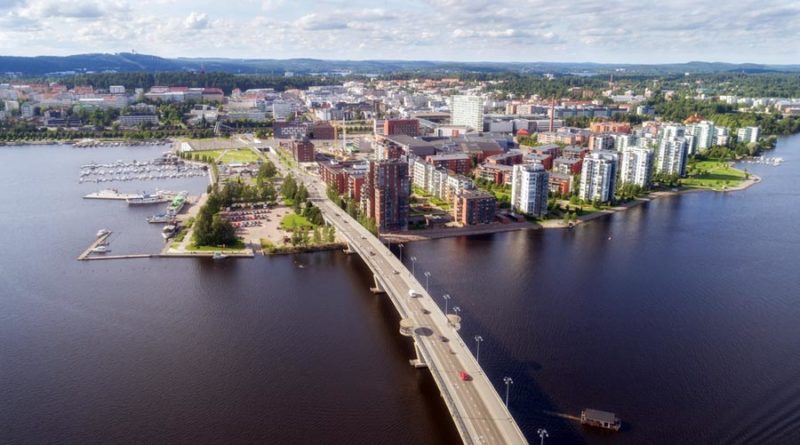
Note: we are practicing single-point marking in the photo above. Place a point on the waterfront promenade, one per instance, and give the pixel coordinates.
(479, 414)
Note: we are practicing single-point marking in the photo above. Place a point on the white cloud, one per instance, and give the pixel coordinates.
(196, 20)
(614, 30)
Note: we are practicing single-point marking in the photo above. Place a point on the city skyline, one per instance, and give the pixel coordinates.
(446, 30)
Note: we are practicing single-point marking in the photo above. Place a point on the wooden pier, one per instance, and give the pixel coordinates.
(110, 194)
(100, 240)
(119, 257)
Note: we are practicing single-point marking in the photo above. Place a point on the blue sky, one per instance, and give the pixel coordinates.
(643, 31)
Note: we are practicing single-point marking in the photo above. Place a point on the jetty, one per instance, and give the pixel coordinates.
(117, 257)
(100, 240)
(112, 194)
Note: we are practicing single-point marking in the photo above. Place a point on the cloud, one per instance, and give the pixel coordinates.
(503, 30)
(196, 21)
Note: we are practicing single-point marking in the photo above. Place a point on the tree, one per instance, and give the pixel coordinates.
(317, 236)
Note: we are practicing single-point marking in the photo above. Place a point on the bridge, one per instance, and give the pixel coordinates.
(479, 414)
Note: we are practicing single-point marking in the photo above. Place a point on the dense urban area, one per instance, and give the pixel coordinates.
(416, 152)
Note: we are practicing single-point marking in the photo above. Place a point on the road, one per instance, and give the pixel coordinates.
(477, 410)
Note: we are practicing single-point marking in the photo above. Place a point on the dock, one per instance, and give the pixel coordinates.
(118, 257)
(110, 194)
(100, 240)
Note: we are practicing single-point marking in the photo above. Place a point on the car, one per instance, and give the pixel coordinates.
(464, 376)
(363, 237)
(396, 272)
(372, 253)
(426, 312)
(444, 339)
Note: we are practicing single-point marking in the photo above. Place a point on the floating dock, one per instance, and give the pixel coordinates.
(111, 194)
(100, 240)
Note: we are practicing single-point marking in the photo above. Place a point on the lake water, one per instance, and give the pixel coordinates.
(680, 315)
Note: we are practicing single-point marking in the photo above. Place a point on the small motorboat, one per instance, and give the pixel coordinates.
(103, 248)
(219, 256)
(102, 232)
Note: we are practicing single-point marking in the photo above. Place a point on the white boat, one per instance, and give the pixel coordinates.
(101, 249)
(219, 256)
(102, 232)
(169, 231)
(147, 198)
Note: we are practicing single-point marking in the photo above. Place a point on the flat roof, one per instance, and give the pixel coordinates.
(602, 416)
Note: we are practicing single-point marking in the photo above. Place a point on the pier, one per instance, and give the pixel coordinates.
(110, 194)
(100, 240)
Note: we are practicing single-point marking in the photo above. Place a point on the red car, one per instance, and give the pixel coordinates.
(464, 376)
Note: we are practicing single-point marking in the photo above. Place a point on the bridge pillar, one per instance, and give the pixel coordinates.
(418, 362)
(378, 289)
(349, 249)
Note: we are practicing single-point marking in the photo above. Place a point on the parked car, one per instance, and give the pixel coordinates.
(464, 376)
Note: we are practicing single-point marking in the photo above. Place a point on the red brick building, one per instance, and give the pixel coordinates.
(409, 127)
(303, 150)
(321, 130)
(460, 163)
(610, 127)
(472, 207)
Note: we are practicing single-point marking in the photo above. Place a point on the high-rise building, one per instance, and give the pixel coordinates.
(387, 190)
(636, 167)
(303, 150)
(671, 156)
(529, 187)
(747, 134)
(468, 111)
(599, 176)
(704, 134)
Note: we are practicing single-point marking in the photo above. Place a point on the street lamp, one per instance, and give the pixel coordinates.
(446, 300)
(478, 340)
(413, 262)
(401, 252)
(508, 381)
(542, 434)
(427, 278)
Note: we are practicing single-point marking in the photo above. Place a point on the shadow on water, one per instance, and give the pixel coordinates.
(402, 348)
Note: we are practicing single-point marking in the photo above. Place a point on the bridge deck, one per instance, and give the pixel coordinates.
(479, 414)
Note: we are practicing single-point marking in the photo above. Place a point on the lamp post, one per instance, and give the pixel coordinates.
(478, 340)
(446, 300)
(427, 278)
(508, 381)
(542, 434)
(413, 263)
(401, 252)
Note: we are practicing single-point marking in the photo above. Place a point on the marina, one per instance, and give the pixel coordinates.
(168, 166)
(101, 240)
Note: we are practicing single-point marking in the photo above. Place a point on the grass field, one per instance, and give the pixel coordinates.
(714, 175)
(241, 155)
(293, 221)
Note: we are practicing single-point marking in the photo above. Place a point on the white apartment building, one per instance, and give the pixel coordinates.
(636, 167)
(467, 111)
(748, 134)
(599, 176)
(671, 156)
(529, 189)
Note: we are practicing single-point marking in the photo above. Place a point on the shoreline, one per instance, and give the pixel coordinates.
(557, 224)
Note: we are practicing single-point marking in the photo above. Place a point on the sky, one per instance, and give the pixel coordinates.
(610, 31)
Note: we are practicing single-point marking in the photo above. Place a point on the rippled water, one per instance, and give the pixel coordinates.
(680, 315)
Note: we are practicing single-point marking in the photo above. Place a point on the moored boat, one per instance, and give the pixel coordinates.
(600, 419)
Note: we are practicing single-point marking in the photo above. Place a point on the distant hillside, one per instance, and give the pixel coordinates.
(127, 62)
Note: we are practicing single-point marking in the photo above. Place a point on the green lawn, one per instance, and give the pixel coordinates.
(714, 175)
(293, 221)
(238, 247)
(242, 155)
